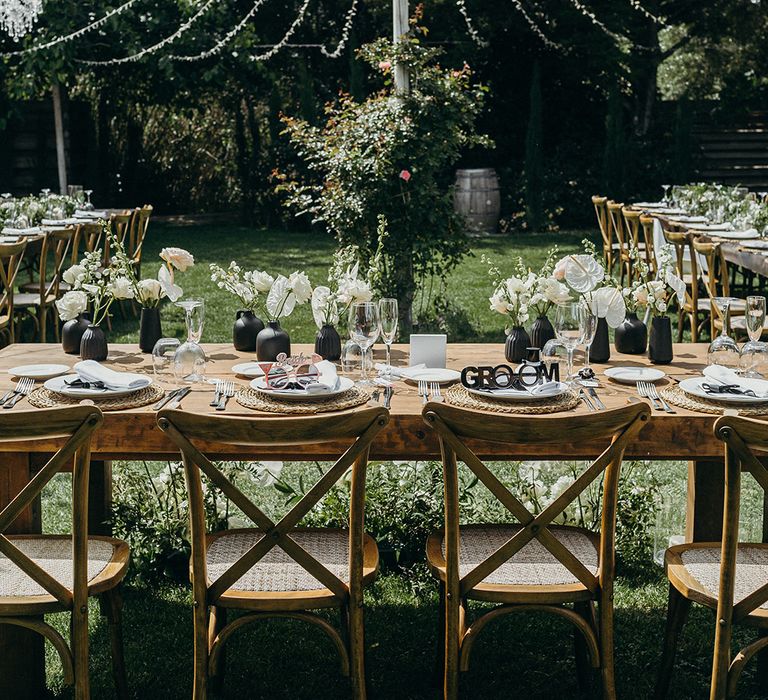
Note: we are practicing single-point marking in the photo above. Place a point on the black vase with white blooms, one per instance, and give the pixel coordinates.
(283, 297)
(334, 301)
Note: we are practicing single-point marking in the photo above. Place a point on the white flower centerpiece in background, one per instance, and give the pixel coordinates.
(330, 303)
(175, 259)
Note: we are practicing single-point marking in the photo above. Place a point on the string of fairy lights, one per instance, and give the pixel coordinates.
(534, 17)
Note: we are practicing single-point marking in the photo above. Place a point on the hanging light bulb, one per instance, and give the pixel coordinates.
(18, 16)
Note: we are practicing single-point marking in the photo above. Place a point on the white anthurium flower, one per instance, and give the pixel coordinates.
(71, 305)
(583, 273)
(267, 473)
(321, 299)
(300, 286)
(171, 290)
(281, 300)
(608, 303)
(677, 285)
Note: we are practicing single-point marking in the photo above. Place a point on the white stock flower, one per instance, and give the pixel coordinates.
(171, 290)
(583, 273)
(353, 290)
(121, 288)
(71, 305)
(300, 286)
(554, 291)
(324, 308)
(178, 257)
(498, 303)
(74, 274)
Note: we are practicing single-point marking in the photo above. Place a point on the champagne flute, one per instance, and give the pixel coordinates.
(363, 325)
(570, 327)
(589, 320)
(754, 354)
(388, 328)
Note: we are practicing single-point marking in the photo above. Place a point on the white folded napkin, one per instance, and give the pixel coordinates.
(725, 375)
(21, 231)
(91, 371)
(58, 222)
(89, 214)
(689, 219)
(401, 372)
(328, 380)
(546, 389)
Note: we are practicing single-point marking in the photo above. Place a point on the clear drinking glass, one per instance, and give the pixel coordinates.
(570, 326)
(364, 329)
(388, 328)
(189, 359)
(754, 354)
(724, 350)
(590, 329)
(162, 355)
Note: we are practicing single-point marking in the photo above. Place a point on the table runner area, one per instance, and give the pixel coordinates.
(352, 398)
(44, 398)
(675, 395)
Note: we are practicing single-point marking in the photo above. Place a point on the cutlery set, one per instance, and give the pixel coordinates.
(23, 388)
(173, 399)
(647, 390)
(429, 390)
(388, 391)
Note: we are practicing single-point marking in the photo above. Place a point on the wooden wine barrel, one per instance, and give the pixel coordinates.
(476, 197)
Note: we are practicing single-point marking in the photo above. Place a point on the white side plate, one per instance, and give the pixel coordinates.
(632, 375)
(249, 369)
(38, 371)
(434, 374)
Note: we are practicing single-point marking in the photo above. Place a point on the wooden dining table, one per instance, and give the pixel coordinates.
(133, 434)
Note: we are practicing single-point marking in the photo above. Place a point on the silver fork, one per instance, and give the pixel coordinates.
(423, 390)
(227, 393)
(654, 394)
(642, 390)
(435, 389)
(25, 390)
(11, 392)
(217, 396)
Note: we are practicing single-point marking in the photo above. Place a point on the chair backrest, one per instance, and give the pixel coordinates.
(89, 236)
(119, 225)
(139, 227)
(681, 243)
(359, 427)
(617, 223)
(57, 246)
(603, 222)
(71, 429)
(647, 223)
(11, 255)
(456, 425)
(714, 270)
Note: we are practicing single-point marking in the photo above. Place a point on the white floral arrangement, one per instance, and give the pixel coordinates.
(174, 259)
(655, 295)
(346, 288)
(286, 293)
(250, 287)
(23, 212)
(722, 204)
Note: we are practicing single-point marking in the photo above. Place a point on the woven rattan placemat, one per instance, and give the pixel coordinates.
(44, 398)
(457, 395)
(675, 395)
(351, 398)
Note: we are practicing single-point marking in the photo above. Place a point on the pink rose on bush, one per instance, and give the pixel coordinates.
(385, 65)
(405, 175)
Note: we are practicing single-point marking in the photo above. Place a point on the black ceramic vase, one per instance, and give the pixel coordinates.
(271, 342)
(328, 343)
(245, 331)
(72, 333)
(149, 328)
(631, 337)
(93, 345)
(516, 347)
(600, 350)
(541, 332)
(660, 341)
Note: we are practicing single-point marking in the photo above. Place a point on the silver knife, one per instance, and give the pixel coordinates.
(167, 398)
(179, 396)
(594, 395)
(583, 396)
(388, 391)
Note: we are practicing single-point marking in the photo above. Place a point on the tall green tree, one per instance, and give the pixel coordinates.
(534, 159)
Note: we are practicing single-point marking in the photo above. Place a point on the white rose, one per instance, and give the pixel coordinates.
(121, 288)
(300, 286)
(261, 281)
(556, 292)
(559, 271)
(354, 290)
(71, 305)
(661, 307)
(178, 257)
(641, 295)
(149, 290)
(74, 274)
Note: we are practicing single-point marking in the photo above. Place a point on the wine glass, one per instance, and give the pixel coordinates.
(388, 328)
(724, 350)
(88, 206)
(570, 327)
(754, 354)
(666, 198)
(189, 359)
(363, 326)
(590, 329)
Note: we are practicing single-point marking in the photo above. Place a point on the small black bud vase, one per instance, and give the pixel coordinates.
(245, 331)
(541, 332)
(516, 347)
(631, 337)
(93, 345)
(271, 342)
(149, 328)
(72, 333)
(328, 343)
(600, 350)
(660, 341)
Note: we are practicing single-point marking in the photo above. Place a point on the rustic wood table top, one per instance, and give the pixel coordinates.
(133, 432)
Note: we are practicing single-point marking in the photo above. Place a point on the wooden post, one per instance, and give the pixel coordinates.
(58, 120)
(400, 28)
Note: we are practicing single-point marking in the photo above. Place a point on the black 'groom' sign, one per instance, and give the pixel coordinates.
(505, 377)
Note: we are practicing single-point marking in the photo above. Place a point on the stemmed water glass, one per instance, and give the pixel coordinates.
(590, 329)
(88, 206)
(570, 327)
(724, 350)
(189, 359)
(754, 354)
(363, 326)
(388, 328)
(666, 199)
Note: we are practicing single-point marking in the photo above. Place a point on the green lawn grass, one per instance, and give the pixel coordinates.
(520, 656)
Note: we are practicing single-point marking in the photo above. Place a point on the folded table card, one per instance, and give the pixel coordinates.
(428, 349)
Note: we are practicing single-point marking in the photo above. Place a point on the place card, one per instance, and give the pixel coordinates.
(428, 349)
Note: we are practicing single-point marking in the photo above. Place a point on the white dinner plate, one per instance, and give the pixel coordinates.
(38, 371)
(249, 369)
(434, 374)
(59, 385)
(345, 383)
(633, 375)
(692, 386)
(508, 395)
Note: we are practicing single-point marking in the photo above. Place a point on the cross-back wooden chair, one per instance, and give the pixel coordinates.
(277, 569)
(635, 239)
(618, 225)
(730, 577)
(532, 565)
(42, 574)
(90, 236)
(610, 247)
(647, 224)
(139, 227)
(11, 256)
(35, 299)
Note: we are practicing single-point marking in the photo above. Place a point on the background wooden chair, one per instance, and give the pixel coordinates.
(11, 256)
(42, 574)
(618, 226)
(730, 577)
(35, 299)
(138, 233)
(278, 569)
(610, 246)
(532, 566)
(635, 239)
(647, 224)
